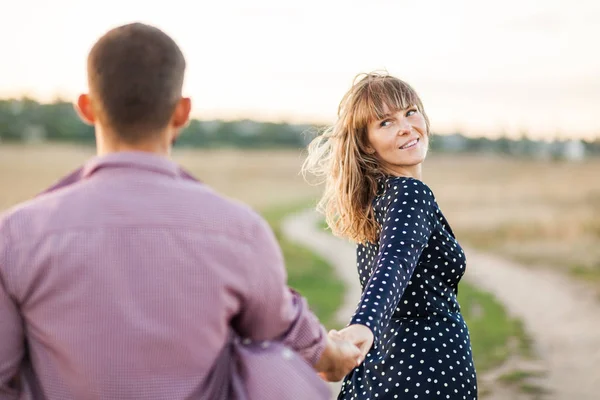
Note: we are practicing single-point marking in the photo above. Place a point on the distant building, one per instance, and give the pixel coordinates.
(572, 150)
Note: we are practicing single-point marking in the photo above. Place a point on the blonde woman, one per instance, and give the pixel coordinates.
(408, 322)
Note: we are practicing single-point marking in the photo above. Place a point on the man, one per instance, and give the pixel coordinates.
(129, 279)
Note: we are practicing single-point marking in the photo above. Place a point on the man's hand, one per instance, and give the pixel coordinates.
(360, 335)
(339, 358)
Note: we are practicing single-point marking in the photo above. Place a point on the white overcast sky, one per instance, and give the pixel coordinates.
(482, 67)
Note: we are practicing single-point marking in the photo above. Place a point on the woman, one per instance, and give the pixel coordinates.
(408, 321)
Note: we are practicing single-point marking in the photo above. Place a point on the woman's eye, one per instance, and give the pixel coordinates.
(385, 123)
(411, 112)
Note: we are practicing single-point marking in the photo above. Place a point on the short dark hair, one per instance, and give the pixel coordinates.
(135, 75)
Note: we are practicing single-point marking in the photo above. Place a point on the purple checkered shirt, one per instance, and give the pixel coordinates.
(131, 280)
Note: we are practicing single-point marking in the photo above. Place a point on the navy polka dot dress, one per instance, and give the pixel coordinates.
(409, 279)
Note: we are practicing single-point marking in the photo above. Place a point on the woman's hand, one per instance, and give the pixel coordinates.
(360, 335)
(339, 358)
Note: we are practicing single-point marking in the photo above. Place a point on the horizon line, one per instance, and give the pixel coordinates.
(303, 119)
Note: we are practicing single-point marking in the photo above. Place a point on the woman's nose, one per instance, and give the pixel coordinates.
(404, 127)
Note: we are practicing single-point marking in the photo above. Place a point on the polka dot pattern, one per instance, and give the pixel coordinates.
(410, 281)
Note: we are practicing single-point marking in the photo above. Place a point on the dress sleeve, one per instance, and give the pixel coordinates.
(407, 226)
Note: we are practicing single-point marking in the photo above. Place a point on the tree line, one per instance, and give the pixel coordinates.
(26, 120)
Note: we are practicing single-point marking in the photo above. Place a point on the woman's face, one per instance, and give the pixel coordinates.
(400, 141)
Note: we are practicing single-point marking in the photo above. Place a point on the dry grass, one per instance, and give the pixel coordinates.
(537, 212)
(540, 213)
(260, 178)
(25, 171)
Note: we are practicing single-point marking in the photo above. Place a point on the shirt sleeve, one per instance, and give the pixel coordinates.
(406, 229)
(270, 309)
(11, 329)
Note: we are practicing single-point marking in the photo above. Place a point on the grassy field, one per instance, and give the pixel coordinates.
(540, 213)
(260, 178)
(543, 214)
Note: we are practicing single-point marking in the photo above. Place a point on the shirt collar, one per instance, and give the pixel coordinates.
(135, 160)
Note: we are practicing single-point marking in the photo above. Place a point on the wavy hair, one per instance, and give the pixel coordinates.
(338, 156)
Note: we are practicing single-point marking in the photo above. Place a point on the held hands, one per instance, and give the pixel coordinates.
(339, 358)
(360, 335)
(346, 349)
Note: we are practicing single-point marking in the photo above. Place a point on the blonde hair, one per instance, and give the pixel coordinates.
(339, 157)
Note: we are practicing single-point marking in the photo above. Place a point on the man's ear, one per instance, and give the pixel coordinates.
(181, 118)
(84, 109)
(181, 115)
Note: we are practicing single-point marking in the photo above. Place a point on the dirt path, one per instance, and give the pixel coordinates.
(562, 316)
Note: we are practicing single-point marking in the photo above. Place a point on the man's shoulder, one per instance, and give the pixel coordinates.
(26, 210)
(188, 204)
(234, 213)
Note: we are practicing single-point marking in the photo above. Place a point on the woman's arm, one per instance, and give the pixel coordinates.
(406, 229)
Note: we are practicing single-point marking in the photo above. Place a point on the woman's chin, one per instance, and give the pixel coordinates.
(411, 162)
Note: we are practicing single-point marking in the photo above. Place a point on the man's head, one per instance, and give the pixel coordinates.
(135, 78)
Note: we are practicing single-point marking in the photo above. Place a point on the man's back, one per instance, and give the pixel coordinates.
(130, 279)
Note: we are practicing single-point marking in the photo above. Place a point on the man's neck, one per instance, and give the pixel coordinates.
(107, 143)
(154, 148)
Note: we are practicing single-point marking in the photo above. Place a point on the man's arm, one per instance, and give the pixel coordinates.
(272, 311)
(11, 331)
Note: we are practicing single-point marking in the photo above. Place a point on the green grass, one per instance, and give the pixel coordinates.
(323, 226)
(517, 376)
(309, 274)
(495, 336)
(590, 274)
(522, 380)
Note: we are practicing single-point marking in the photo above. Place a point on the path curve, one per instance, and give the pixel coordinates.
(562, 316)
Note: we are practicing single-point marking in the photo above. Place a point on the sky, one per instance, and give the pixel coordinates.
(481, 67)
